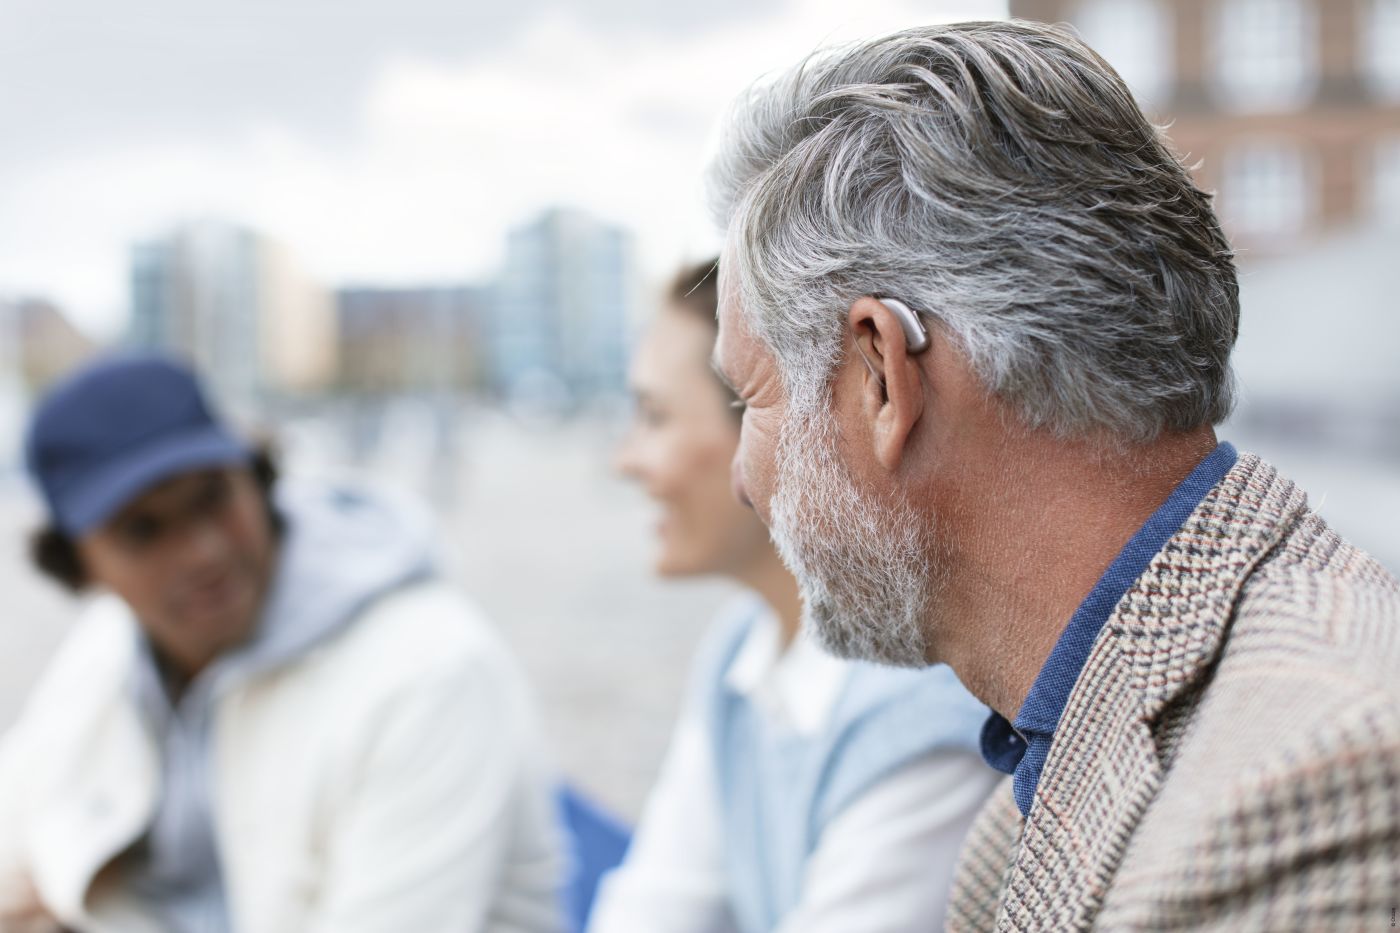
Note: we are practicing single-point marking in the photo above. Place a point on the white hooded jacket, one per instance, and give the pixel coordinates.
(372, 764)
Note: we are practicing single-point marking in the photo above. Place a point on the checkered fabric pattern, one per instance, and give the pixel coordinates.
(1229, 758)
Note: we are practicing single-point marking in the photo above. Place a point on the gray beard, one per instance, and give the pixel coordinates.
(862, 566)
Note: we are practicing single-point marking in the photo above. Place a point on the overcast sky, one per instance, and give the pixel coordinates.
(381, 140)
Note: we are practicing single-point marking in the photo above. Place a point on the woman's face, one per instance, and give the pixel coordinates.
(680, 449)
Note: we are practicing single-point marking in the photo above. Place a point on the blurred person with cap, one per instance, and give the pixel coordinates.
(276, 717)
(801, 792)
(981, 319)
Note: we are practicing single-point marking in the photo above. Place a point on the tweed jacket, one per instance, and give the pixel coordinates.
(1229, 757)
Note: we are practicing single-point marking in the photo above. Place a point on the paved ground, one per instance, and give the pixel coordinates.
(558, 551)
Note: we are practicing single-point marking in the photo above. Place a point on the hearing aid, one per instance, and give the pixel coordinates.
(915, 333)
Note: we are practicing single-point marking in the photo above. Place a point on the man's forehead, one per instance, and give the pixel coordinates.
(170, 493)
(732, 342)
(739, 356)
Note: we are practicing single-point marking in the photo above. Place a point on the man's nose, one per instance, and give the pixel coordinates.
(204, 542)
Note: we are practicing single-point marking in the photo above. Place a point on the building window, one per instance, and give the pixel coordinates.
(1266, 192)
(1265, 53)
(1380, 44)
(1135, 36)
(1385, 192)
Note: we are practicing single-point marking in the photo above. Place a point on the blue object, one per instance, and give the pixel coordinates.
(114, 429)
(596, 842)
(1021, 748)
(780, 788)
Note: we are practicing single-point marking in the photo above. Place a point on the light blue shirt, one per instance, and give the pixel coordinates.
(780, 788)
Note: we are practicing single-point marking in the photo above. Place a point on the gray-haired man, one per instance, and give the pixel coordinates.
(981, 319)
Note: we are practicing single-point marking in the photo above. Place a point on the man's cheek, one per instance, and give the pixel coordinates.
(736, 476)
(759, 487)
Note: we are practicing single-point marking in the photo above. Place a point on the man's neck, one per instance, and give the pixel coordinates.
(175, 677)
(1054, 517)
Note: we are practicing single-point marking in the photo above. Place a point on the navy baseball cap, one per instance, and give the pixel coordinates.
(116, 428)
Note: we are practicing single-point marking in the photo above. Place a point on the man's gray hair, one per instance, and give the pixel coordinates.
(1000, 178)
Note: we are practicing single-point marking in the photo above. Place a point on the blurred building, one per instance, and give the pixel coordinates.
(237, 305)
(38, 343)
(1318, 358)
(558, 324)
(13, 396)
(1290, 107)
(396, 341)
(1318, 369)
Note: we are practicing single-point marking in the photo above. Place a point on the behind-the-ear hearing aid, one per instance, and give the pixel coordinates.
(915, 333)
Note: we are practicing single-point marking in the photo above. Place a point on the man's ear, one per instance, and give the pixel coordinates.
(892, 389)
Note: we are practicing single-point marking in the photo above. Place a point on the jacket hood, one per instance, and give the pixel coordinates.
(344, 546)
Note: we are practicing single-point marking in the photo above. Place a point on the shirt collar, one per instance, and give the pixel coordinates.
(798, 687)
(1021, 748)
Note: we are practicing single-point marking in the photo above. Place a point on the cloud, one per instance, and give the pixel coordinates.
(435, 155)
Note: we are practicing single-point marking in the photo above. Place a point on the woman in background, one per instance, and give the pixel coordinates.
(800, 792)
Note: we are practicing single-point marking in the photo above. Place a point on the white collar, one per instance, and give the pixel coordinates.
(798, 687)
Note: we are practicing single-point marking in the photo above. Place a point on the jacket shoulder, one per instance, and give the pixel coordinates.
(1320, 602)
(1280, 806)
(1271, 825)
(92, 663)
(424, 629)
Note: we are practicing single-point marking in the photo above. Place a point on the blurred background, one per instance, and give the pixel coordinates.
(417, 239)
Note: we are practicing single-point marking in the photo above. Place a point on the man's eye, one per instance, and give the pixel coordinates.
(213, 496)
(139, 531)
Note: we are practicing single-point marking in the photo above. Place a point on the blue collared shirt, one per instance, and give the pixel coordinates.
(1020, 748)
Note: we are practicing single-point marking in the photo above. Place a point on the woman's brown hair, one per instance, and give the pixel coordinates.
(695, 289)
